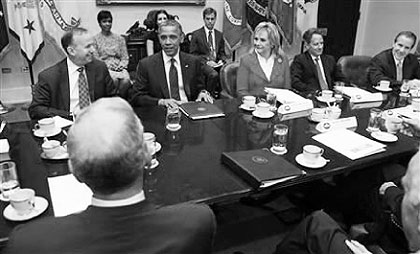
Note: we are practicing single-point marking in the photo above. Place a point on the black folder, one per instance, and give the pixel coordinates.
(261, 168)
(201, 110)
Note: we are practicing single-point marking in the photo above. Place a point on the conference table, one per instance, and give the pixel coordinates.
(190, 167)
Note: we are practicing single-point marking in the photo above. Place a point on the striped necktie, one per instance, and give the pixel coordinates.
(84, 99)
(399, 71)
(322, 83)
(173, 81)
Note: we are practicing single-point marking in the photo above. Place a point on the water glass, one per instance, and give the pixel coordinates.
(173, 119)
(279, 141)
(8, 178)
(338, 90)
(272, 100)
(374, 119)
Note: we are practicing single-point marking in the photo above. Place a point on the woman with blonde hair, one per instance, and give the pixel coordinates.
(265, 66)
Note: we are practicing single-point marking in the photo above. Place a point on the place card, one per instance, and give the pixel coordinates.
(290, 108)
(337, 124)
(358, 95)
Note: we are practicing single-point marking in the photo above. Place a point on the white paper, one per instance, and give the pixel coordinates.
(349, 144)
(62, 122)
(405, 111)
(285, 96)
(4, 146)
(341, 123)
(358, 95)
(68, 195)
(296, 107)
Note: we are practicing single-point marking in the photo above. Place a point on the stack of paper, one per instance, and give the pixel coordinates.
(349, 144)
(68, 195)
(358, 95)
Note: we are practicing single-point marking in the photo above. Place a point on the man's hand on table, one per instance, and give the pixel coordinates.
(356, 247)
(412, 126)
(204, 95)
(169, 103)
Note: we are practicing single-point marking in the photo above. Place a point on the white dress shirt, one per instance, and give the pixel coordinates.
(213, 36)
(74, 86)
(120, 202)
(177, 63)
(321, 66)
(266, 64)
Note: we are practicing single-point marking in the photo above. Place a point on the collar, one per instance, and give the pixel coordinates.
(396, 60)
(207, 31)
(167, 58)
(72, 67)
(262, 59)
(314, 57)
(120, 202)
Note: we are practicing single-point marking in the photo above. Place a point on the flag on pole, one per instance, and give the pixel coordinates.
(256, 12)
(232, 22)
(25, 24)
(4, 37)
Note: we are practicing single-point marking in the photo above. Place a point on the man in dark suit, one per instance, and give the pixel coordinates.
(397, 63)
(313, 70)
(120, 219)
(73, 83)
(169, 77)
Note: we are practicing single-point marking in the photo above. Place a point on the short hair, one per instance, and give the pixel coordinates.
(106, 146)
(209, 11)
(104, 14)
(171, 22)
(67, 38)
(307, 35)
(407, 34)
(273, 36)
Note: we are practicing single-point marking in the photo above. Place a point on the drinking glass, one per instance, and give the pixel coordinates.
(8, 178)
(272, 100)
(279, 141)
(173, 119)
(338, 90)
(374, 119)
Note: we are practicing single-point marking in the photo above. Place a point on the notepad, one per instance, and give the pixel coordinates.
(201, 110)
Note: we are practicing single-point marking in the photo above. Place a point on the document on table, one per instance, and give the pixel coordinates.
(349, 143)
(68, 195)
(358, 95)
(407, 111)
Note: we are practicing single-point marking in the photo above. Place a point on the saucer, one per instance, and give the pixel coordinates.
(316, 164)
(41, 205)
(259, 115)
(384, 136)
(242, 106)
(389, 89)
(321, 99)
(315, 120)
(40, 133)
(63, 155)
(154, 163)
(174, 129)
(278, 152)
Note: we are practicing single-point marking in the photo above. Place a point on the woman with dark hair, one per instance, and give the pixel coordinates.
(265, 66)
(152, 43)
(111, 49)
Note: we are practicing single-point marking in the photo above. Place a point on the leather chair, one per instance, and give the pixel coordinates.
(355, 69)
(228, 79)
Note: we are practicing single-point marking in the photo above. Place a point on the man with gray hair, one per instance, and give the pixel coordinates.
(107, 153)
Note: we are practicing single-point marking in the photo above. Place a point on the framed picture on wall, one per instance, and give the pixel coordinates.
(188, 2)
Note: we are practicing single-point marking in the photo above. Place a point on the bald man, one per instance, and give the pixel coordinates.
(318, 233)
(108, 154)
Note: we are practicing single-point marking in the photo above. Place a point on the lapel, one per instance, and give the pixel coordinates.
(90, 73)
(276, 69)
(327, 69)
(311, 63)
(204, 37)
(218, 39)
(186, 72)
(256, 67)
(392, 64)
(157, 62)
(64, 83)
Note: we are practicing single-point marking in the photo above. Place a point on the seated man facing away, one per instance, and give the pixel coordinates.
(110, 159)
(318, 233)
(397, 63)
(169, 77)
(313, 70)
(73, 83)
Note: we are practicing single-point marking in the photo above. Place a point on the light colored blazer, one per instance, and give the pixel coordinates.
(251, 79)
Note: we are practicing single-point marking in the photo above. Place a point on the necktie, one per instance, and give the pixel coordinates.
(322, 82)
(173, 81)
(399, 71)
(84, 99)
(210, 41)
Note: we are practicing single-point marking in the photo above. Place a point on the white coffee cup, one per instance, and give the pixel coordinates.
(23, 201)
(51, 148)
(318, 114)
(46, 125)
(249, 101)
(334, 113)
(263, 108)
(327, 94)
(393, 124)
(312, 153)
(149, 137)
(384, 84)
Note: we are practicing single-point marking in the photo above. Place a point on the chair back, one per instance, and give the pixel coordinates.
(355, 69)
(228, 75)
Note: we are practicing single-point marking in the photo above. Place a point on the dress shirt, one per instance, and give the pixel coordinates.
(213, 36)
(266, 64)
(396, 67)
(73, 85)
(120, 202)
(167, 63)
(321, 66)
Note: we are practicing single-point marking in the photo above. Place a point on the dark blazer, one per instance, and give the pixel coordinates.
(200, 47)
(252, 80)
(304, 74)
(138, 228)
(383, 68)
(151, 82)
(51, 95)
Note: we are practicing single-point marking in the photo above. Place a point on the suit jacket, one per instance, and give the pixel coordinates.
(51, 95)
(200, 47)
(138, 228)
(252, 80)
(383, 68)
(305, 76)
(151, 82)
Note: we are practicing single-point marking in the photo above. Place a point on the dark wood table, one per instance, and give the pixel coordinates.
(190, 167)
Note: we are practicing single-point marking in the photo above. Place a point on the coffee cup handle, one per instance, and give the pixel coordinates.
(322, 151)
(319, 93)
(36, 126)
